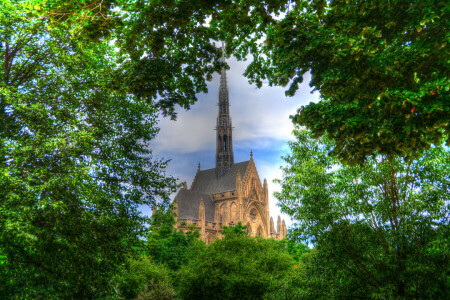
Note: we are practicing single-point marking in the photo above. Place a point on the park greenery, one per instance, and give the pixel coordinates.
(367, 181)
(381, 229)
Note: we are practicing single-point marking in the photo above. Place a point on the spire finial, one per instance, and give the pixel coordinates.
(224, 144)
(251, 154)
(199, 166)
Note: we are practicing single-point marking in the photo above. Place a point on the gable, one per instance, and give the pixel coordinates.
(252, 186)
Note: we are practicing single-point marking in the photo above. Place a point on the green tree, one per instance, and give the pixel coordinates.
(164, 52)
(76, 117)
(381, 67)
(145, 277)
(235, 267)
(150, 273)
(294, 247)
(74, 164)
(168, 245)
(237, 229)
(380, 228)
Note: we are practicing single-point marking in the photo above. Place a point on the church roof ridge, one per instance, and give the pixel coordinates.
(189, 202)
(206, 182)
(241, 162)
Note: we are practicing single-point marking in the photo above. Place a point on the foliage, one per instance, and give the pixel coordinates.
(144, 277)
(380, 228)
(150, 275)
(77, 115)
(170, 62)
(235, 267)
(237, 229)
(294, 247)
(383, 80)
(159, 291)
(316, 277)
(165, 66)
(293, 285)
(290, 287)
(381, 68)
(74, 165)
(166, 244)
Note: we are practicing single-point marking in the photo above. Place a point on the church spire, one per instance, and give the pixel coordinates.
(224, 149)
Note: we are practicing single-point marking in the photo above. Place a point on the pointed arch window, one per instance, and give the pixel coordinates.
(253, 214)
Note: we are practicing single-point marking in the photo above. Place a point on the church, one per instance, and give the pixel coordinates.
(229, 193)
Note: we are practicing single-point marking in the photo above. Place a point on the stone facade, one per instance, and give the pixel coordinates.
(210, 209)
(229, 193)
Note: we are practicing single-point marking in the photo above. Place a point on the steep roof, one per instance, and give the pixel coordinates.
(188, 203)
(206, 181)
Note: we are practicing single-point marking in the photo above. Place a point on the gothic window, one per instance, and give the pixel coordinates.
(224, 143)
(253, 214)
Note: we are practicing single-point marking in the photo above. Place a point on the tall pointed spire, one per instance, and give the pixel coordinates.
(224, 149)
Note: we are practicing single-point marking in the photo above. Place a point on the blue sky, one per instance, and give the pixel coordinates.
(261, 123)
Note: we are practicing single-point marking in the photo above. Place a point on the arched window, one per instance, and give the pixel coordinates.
(224, 143)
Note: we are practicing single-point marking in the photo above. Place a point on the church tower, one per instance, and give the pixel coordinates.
(229, 193)
(224, 142)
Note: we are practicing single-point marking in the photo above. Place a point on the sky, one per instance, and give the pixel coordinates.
(261, 124)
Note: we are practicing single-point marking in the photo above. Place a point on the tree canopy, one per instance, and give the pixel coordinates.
(74, 165)
(381, 68)
(74, 161)
(168, 245)
(379, 229)
(235, 267)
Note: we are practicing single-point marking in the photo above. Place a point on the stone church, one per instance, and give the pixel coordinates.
(230, 192)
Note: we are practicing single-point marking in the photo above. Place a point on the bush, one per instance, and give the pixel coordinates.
(235, 267)
(144, 278)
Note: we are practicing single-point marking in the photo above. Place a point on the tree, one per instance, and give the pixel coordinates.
(235, 267)
(294, 247)
(380, 66)
(237, 229)
(144, 279)
(149, 274)
(383, 80)
(170, 63)
(168, 245)
(74, 165)
(381, 228)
